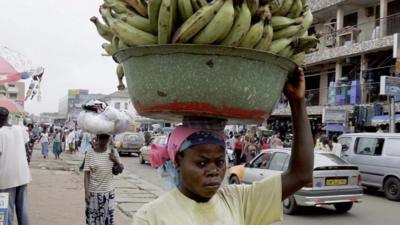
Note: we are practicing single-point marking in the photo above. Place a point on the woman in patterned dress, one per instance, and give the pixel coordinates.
(99, 190)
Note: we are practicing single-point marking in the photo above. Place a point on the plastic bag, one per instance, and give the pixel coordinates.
(110, 121)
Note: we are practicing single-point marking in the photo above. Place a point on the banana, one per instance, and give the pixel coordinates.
(263, 11)
(139, 5)
(137, 21)
(218, 27)
(153, 11)
(120, 75)
(197, 22)
(307, 20)
(195, 4)
(285, 8)
(305, 43)
(266, 39)
(296, 9)
(166, 21)
(287, 52)
(105, 13)
(102, 29)
(299, 58)
(122, 45)
(287, 32)
(202, 3)
(253, 6)
(240, 27)
(253, 36)
(278, 45)
(109, 48)
(281, 22)
(275, 5)
(118, 6)
(129, 34)
(185, 9)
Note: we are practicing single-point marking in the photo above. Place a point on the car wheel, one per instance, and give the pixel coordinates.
(343, 207)
(392, 189)
(141, 159)
(290, 206)
(234, 180)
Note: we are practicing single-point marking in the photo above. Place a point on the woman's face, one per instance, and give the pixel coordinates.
(202, 169)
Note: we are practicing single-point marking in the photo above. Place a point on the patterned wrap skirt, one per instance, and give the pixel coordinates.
(100, 210)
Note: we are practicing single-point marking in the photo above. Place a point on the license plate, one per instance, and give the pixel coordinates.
(336, 182)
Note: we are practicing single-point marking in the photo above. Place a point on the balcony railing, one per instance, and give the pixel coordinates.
(330, 37)
(349, 93)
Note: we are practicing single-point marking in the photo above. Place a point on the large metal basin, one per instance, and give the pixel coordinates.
(169, 81)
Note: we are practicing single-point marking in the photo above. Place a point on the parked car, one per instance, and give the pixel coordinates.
(335, 181)
(156, 142)
(378, 157)
(128, 142)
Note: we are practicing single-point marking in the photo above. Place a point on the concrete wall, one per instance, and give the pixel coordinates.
(122, 102)
(331, 54)
(317, 5)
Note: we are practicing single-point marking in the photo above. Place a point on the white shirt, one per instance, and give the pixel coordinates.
(14, 169)
(71, 138)
(337, 149)
(44, 138)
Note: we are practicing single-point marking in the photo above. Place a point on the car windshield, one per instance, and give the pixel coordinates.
(328, 159)
(133, 137)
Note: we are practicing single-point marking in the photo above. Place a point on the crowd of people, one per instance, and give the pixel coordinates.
(246, 146)
(101, 163)
(61, 139)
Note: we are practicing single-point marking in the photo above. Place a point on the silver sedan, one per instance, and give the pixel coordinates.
(335, 181)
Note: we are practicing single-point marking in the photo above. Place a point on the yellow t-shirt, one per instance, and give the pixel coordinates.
(256, 204)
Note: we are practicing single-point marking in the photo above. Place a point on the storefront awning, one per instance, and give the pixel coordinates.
(382, 120)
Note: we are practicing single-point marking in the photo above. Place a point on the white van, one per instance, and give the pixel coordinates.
(377, 156)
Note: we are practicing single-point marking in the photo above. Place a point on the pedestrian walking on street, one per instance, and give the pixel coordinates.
(57, 144)
(71, 141)
(78, 138)
(44, 141)
(14, 169)
(237, 151)
(336, 146)
(99, 190)
(31, 143)
(199, 159)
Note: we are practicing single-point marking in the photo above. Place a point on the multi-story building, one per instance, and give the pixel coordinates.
(14, 91)
(356, 49)
(120, 100)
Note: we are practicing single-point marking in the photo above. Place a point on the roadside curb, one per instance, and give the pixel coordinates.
(133, 192)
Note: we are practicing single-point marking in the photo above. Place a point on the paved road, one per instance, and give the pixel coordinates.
(375, 210)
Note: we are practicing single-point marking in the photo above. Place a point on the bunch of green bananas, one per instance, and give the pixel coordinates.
(276, 26)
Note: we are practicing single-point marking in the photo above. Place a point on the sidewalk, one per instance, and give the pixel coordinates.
(61, 183)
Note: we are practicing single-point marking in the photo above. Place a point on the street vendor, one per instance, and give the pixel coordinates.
(199, 160)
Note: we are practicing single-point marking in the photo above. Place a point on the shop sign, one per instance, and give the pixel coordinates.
(337, 116)
(390, 86)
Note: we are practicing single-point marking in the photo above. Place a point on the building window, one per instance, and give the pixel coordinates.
(12, 96)
(117, 105)
(369, 146)
(126, 106)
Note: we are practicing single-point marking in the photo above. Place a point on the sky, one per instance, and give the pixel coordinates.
(58, 35)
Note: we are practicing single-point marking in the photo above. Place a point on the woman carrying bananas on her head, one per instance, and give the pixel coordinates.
(199, 159)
